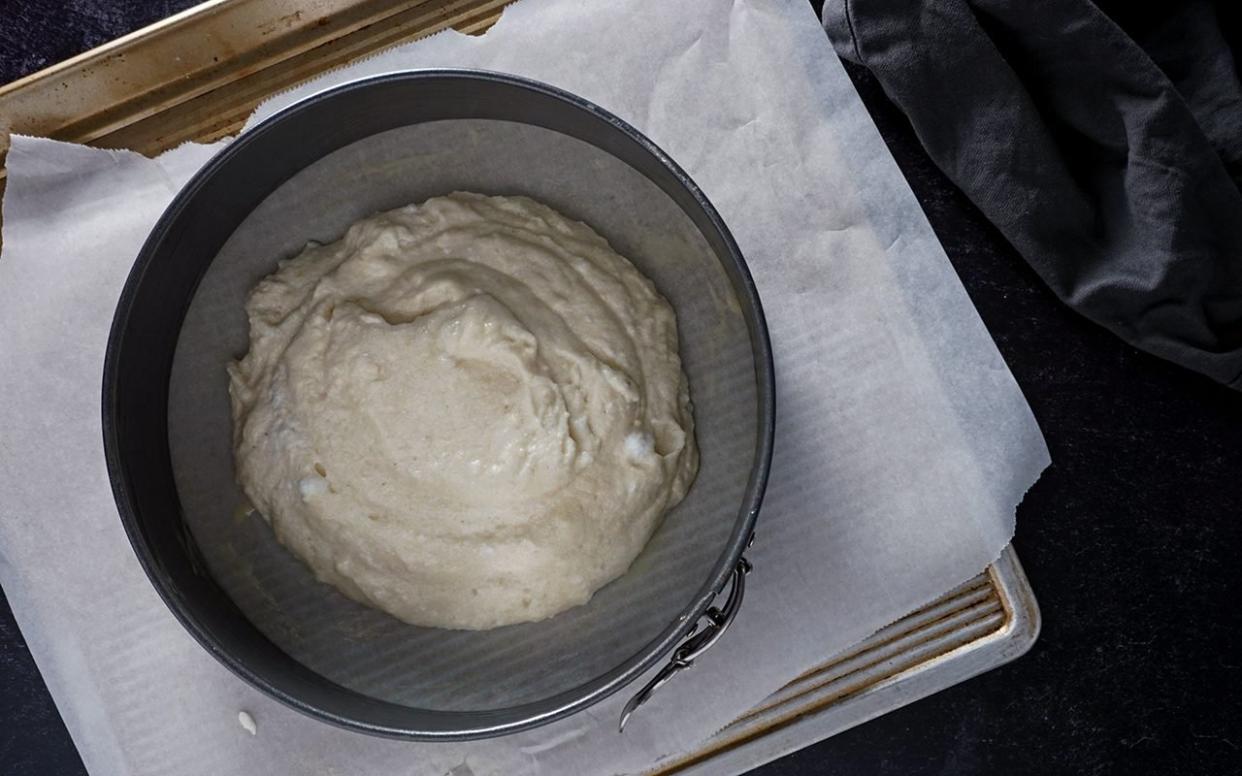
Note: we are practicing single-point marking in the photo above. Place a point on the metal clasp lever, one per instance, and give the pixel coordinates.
(697, 641)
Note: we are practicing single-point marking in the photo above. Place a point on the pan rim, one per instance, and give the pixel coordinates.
(468, 724)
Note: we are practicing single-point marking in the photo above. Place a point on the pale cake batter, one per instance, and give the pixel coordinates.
(467, 413)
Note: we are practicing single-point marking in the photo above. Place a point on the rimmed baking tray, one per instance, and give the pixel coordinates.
(198, 75)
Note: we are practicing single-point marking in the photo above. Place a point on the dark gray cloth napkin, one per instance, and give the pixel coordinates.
(1104, 142)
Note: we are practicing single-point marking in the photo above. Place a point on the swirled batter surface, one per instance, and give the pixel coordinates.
(467, 413)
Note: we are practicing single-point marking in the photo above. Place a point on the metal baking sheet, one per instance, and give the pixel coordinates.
(198, 75)
(985, 623)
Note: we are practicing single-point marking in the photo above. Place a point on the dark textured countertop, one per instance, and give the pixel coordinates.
(1131, 539)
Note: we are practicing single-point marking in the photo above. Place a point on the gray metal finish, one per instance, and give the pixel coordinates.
(697, 641)
(164, 280)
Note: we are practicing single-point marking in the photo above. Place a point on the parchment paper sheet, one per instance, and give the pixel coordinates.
(903, 442)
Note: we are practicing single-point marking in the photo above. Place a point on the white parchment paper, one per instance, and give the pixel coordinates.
(903, 444)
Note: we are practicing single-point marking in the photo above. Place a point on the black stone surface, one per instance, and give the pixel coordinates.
(1131, 539)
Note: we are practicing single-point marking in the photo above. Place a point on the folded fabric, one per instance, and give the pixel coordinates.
(1110, 156)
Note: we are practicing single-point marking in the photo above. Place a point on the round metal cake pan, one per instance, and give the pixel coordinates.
(152, 310)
